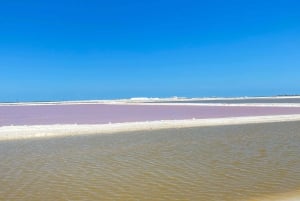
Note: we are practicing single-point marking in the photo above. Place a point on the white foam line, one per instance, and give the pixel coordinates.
(23, 132)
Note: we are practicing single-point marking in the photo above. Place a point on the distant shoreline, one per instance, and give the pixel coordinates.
(39, 131)
(144, 99)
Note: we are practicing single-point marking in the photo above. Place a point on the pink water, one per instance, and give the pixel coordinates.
(105, 113)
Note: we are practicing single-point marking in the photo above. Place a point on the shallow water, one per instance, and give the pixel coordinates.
(249, 162)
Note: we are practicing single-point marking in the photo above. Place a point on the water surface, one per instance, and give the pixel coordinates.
(117, 113)
(228, 163)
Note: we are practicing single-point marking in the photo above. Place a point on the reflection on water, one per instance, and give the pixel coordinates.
(249, 162)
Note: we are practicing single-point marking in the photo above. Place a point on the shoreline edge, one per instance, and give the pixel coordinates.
(57, 130)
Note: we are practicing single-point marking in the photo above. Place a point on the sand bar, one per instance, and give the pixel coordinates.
(33, 131)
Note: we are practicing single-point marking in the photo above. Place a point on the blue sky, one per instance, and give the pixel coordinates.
(66, 50)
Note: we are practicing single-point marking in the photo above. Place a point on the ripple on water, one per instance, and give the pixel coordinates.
(250, 162)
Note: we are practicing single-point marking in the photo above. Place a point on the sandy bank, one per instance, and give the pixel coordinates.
(34, 131)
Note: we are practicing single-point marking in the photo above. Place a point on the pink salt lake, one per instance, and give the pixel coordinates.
(118, 113)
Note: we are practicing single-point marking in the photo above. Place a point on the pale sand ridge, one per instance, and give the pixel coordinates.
(33, 131)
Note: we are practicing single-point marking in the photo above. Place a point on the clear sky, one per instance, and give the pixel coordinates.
(85, 49)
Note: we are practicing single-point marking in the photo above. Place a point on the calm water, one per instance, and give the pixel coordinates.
(114, 113)
(227, 163)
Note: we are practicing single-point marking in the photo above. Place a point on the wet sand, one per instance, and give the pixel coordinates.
(228, 163)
